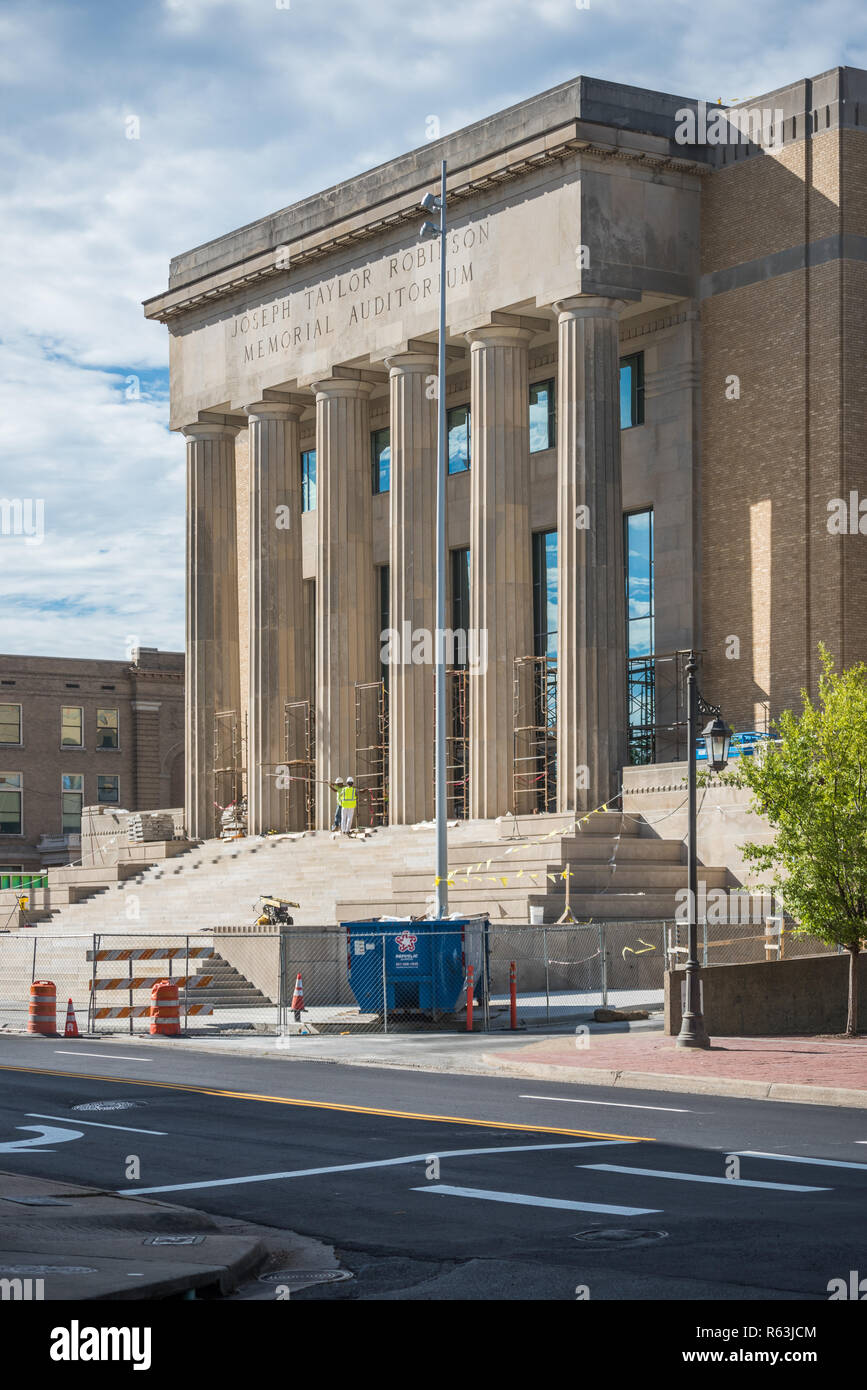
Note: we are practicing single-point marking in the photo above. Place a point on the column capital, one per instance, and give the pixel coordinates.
(502, 328)
(210, 430)
(276, 410)
(588, 306)
(400, 363)
(500, 335)
(335, 387)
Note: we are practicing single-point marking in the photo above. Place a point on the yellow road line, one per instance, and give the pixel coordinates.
(331, 1105)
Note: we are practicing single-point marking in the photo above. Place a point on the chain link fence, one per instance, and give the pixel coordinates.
(743, 941)
(369, 977)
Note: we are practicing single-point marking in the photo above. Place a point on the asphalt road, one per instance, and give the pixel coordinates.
(439, 1186)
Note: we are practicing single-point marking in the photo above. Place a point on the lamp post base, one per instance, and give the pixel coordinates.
(692, 1032)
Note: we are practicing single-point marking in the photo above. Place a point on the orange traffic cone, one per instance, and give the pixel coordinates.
(71, 1030)
(298, 998)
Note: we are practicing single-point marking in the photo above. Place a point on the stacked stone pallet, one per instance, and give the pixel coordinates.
(144, 828)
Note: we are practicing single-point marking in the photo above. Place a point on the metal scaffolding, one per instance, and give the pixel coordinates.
(230, 763)
(534, 734)
(371, 752)
(457, 743)
(299, 799)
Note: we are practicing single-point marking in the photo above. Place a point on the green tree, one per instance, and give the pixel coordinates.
(811, 786)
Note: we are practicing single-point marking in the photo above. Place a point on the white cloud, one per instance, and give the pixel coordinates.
(245, 107)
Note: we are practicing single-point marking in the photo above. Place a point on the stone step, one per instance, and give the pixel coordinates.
(597, 848)
(596, 823)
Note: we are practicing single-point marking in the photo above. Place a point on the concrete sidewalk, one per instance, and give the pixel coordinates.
(86, 1244)
(817, 1071)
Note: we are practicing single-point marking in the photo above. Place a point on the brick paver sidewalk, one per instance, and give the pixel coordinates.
(800, 1061)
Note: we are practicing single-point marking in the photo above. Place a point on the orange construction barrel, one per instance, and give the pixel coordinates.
(43, 1008)
(165, 1010)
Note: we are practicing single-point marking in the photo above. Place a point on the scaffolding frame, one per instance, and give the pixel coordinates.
(371, 751)
(299, 723)
(457, 744)
(534, 734)
(230, 761)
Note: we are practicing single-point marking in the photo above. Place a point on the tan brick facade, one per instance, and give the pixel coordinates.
(773, 576)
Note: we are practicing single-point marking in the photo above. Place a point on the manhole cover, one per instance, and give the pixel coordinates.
(46, 1269)
(38, 1201)
(108, 1105)
(174, 1240)
(614, 1236)
(304, 1276)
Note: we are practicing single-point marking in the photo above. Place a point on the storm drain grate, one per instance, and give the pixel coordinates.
(305, 1276)
(612, 1237)
(99, 1105)
(174, 1240)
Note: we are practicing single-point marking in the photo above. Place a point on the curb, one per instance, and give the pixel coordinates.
(792, 1092)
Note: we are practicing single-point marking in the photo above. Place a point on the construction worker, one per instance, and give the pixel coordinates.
(337, 787)
(348, 803)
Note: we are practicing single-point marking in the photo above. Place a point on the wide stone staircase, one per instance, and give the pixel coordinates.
(519, 869)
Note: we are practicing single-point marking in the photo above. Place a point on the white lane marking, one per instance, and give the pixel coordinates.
(521, 1199)
(374, 1163)
(46, 1135)
(92, 1124)
(795, 1158)
(699, 1177)
(107, 1056)
(618, 1104)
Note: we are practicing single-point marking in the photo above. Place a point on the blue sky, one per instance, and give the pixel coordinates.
(244, 106)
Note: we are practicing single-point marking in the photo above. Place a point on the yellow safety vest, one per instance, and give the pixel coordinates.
(347, 798)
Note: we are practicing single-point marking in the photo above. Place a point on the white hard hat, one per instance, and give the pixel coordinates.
(349, 782)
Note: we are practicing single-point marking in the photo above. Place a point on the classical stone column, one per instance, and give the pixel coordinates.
(347, 629)
(213, 661)
(412, 577)
(501, 584)
(277, 659)
(591, 622)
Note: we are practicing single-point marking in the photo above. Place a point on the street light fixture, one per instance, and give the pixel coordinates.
(433, 203)
(717, 739)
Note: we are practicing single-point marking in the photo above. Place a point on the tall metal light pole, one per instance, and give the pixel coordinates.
(717, 737)
(431, 203)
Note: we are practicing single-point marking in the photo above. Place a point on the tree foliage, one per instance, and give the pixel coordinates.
(810, 784)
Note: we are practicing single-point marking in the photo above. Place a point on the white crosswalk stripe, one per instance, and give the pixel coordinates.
(525, 1200)
(797, 1158)
(697, 1177)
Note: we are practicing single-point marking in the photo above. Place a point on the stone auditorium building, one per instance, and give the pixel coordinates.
(656, 397)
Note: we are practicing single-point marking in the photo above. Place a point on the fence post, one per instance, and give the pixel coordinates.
(603, 928)
(91, 1005)
(281, 984)
(187, 985)
(384, 986)
(469, 999)
(513, 995)
(547, 972)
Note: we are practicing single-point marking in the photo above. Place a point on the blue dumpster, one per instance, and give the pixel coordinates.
(420, 967)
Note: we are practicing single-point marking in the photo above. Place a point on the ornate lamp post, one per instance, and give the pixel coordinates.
(717, 737)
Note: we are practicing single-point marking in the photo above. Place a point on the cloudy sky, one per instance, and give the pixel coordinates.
(242, 107)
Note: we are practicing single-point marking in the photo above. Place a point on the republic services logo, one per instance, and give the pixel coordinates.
(406, 941)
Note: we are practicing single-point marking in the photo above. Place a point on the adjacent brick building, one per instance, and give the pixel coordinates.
(78, 733)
